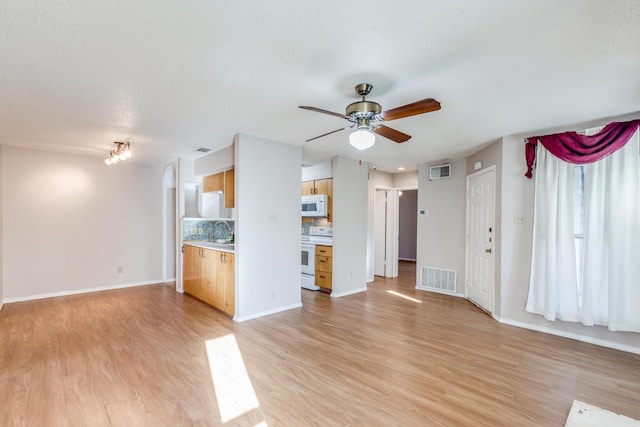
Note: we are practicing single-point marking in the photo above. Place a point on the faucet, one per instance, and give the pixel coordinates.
(215, 228)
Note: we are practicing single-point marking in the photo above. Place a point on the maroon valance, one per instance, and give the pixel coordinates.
(581, 149)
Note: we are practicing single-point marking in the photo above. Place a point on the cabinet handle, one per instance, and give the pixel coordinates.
(322, 277)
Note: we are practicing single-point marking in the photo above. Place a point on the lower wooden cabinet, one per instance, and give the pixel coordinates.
(209, 275)
(324, 266)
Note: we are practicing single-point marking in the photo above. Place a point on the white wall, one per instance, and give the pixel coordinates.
(318, 171)
(215, 162)
(441, 232)
(267, 179)
(349, 226)
(71, 221)
(405, 180)
(1, 227)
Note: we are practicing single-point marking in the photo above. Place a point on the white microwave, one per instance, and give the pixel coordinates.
(315, 205)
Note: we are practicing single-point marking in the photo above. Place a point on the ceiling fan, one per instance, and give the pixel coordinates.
(368, 117)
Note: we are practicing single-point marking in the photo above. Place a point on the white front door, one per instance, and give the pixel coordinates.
(480, 259)
(380, 233)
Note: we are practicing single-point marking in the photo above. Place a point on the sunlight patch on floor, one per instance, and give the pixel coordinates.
(398, 294)
(234, 391)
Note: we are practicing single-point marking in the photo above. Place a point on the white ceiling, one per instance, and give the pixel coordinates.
(173, 76)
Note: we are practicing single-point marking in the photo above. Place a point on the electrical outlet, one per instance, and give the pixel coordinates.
(272, 216)
(519, 219)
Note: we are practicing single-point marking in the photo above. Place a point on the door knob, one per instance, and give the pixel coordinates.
(488, 250)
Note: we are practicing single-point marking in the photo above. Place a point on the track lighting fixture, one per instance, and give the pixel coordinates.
(121, 152)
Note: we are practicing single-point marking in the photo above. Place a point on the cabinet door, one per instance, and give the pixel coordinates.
(324, 280)
(229, 284)
(308, 188)
(218, 289)
(323, 264)
(208, 276)
(324, 250)
(213, 183)
(190, 253)
(229, 189)
(322, 186)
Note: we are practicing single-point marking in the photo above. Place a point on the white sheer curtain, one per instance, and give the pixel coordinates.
(611, 275)
(553, 288)
(611, 289)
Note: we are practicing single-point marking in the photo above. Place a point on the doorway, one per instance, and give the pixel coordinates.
(480, 248)
(380, 241)
(407, 225)
(169, 234)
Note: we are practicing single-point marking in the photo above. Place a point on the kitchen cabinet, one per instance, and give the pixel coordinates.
(320, 186)
(213, 182)
(229, 188)
(225, 282)
(192, 270)
(224, 182)
(324, 266)
(209, 275)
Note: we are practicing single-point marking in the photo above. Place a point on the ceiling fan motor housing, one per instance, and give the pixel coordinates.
(363, 109)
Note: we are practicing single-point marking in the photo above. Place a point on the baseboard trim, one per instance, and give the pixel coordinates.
(81, 291)
(570, 335)
(266, 313)
(351, 292)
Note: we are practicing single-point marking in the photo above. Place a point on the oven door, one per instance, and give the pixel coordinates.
(308, 259)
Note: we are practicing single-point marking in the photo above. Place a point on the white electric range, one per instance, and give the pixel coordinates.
(317, 236)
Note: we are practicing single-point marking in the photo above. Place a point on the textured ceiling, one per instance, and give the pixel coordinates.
(173, 76)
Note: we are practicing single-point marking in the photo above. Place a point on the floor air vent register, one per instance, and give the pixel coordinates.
(439, 280)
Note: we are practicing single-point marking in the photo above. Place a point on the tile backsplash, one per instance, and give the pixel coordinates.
(317, 222)
(199, 229)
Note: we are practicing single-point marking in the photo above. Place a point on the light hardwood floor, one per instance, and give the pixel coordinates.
(141, 356)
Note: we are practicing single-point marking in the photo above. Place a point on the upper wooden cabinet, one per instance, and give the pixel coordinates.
(229, 188)
(213, 182)
(222, 181)
(319, 186)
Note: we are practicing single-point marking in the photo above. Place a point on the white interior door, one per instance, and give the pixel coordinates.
(380, 233)
(480, 264)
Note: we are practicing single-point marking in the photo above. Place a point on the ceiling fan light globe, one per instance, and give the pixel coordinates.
(362, 139)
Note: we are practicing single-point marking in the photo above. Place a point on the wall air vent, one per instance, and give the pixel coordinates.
(440, 171)
(202, 150)
(438, 280)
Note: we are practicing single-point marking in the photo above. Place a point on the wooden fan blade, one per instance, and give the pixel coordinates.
(419, 107)
(392, 134)
(328, 133)
(319, 110)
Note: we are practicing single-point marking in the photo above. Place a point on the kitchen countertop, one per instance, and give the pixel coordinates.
(222, 247)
